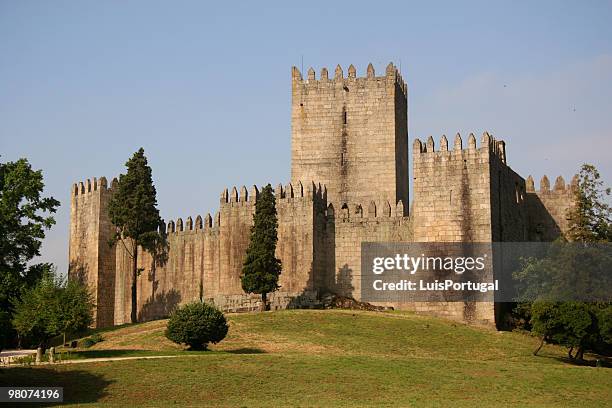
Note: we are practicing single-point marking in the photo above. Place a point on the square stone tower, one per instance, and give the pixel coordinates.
(92, 259)
(351, 134)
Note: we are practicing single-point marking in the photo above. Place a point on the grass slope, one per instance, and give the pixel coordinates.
(327, 358)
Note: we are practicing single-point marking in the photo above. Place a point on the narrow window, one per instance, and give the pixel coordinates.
(344, 116)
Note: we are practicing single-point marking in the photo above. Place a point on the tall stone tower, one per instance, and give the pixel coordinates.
(351, 134)
(91, 258)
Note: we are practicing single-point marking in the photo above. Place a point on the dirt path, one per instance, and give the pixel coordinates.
(101, 360)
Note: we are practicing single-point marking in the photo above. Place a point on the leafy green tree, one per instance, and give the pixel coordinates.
(590, 220)
(133, 211)
(25, 214)
(605, 324)
(52, 307)
(37, 312)
(76, 307)
(261, 269)
(567, 271)
(197, 324)
(578, 326)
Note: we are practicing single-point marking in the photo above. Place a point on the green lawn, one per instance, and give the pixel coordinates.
(327, 358)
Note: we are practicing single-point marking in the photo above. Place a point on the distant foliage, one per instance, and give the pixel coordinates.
(197, 324)
(261, 269)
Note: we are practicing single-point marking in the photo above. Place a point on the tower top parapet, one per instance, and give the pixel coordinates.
(487, 142)
(391, 74)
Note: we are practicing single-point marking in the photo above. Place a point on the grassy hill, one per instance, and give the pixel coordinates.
(327, 358)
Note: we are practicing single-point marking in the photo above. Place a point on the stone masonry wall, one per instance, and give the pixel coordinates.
(205, 260)
(350, 134)
(452, 203)
(347, 228)
(547, 209)
(452, 191)
(508, 200)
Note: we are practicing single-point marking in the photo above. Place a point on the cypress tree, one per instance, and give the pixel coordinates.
(261, 269)
(133, 211)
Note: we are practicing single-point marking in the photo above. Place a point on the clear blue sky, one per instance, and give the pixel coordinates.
(205, 88)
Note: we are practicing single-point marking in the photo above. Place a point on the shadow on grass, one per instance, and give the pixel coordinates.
(592, 360)
(245, 350)
(603, 362)
(80, 386)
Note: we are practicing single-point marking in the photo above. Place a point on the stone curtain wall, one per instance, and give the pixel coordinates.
(350, 134)
(508, 200)
(205, 257)
(347, 228)
(547, 208)
(452, 203)
(452, 191)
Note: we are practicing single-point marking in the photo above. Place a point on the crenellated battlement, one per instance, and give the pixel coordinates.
(234, 198)
(558, 188)
(488, 144)
(92, 185)
(282, 193)
(357, 212)
(391, 74)
(200, 224)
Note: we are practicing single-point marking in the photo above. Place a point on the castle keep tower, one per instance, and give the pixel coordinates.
(351, 134)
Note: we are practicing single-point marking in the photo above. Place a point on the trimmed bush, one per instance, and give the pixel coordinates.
(90, 341)
(197, 324)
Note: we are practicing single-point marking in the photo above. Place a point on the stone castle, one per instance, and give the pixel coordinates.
(349, 184)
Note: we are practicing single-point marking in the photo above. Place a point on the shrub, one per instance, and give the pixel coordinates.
(90, 341)
(197, 324)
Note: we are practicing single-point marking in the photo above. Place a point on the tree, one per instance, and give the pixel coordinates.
(75, 307)
(261, 269)
(590, 219)
(52, 307)
(25, 214)
(24, 217)
(37, 312)
(133, 211)
(575, 325)
(566, 271)
(197, 324)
